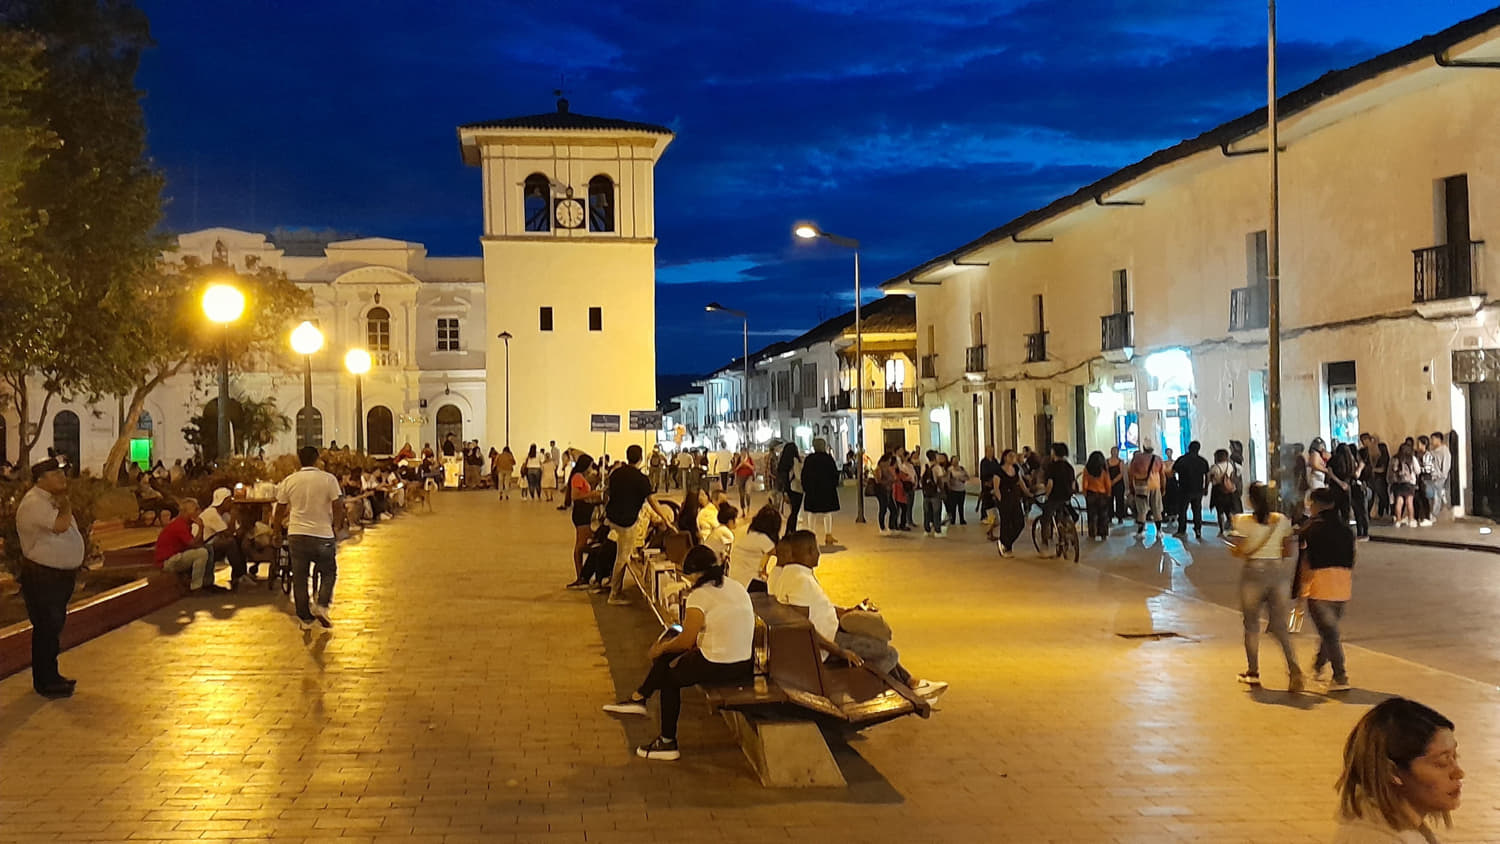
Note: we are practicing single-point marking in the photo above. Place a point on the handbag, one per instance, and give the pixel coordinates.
(865, 623)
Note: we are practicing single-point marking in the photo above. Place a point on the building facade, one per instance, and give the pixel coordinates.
(1135, 310)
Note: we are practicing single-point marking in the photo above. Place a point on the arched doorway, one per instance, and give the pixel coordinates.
(65, 438)
(380, 432)
(309, 427)
(450, 420)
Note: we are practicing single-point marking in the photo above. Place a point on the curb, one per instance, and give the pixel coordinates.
(1437, 543)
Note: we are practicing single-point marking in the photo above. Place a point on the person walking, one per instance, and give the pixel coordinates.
(505, 470)
(1010, 501)
(1223, 490)
(1145, 474)
(1327, 583)
(1265, 581)
(1192, 484)
(1096, 495)
(744, 474)
(309, 503)
(789, 474)
(52, 551)
(820, 490)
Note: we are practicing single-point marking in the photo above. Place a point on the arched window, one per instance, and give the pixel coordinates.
(378, 330)
(380, 431)
(65, 438)
(536, 196)
(450, 420)
(601, 204)
(309, 427)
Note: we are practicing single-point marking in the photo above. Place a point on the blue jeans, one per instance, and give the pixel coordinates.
(307, 552)
(932, 512)
(1267, 583)
(1326, 616)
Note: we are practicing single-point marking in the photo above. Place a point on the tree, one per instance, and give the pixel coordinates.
(255, 424)
(162, 332)
(84, 211)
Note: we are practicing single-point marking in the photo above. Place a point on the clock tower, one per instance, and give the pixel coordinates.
(570, 273)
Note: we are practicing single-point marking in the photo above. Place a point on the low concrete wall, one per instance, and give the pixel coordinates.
(94, 617)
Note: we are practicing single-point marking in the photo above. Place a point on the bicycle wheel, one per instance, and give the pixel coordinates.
(284, 569)
(1043, 537)
(1067, 540)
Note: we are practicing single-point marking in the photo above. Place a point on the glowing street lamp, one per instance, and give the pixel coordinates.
(357, 361)
(306, 341)
(809, 231)
(223, 304)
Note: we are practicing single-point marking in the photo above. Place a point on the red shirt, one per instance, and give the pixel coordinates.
(175, 538)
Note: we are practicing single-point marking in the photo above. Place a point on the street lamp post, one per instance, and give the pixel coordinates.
(1273, 267)
(506, 335)
(306, 341)
(808, 231)
(745, 391)
(357, 361)
(223, 303)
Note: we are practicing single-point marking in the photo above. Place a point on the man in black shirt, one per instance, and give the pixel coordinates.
(989, 467)
(1061, 481)
(1192, 484)
(627, 492)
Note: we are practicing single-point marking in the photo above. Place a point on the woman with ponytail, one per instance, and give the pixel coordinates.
(714, 645)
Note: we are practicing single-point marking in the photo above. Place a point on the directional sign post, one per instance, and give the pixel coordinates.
(606, 424)
(645, 421)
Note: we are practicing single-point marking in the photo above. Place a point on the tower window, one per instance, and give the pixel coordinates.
(601, 204)
(537, 202)
(378, 330)
(547, 318)
(447, 334)
(596, 319)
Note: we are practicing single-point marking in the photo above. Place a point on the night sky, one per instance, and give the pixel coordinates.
(913, 126)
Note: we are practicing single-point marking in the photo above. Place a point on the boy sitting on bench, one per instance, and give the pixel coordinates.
(856, 634)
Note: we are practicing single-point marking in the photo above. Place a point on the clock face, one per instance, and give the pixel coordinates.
(569, 213)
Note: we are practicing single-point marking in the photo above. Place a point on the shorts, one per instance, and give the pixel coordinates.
(1401, 490)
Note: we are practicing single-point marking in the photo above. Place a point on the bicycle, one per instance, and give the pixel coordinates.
(1053, 537)
(281, 569)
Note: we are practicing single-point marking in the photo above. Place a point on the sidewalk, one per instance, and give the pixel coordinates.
(1469, 534)
(457, 700)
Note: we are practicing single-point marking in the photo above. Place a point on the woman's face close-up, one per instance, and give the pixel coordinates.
(1434, 782)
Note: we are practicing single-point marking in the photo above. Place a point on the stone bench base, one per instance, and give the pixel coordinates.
(785, 754)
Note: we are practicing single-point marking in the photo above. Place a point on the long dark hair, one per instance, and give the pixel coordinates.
(1096, 465)
(532, 452)
(701, 559)
(1260, 502)
(788, 457)
(687, 515)
(581, 465)
(767, 520)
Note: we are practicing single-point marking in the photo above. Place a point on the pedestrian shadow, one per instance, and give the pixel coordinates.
(1304, 701)
(1359, 697)
(175, 618)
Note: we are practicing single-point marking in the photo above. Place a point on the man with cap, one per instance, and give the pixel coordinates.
(51, 553)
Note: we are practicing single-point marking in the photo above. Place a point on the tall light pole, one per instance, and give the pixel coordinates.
(306, 341)
(808, 231)
(223, 303)
(1273, 266)
(745, 391)
(357, 361)
(506, 335)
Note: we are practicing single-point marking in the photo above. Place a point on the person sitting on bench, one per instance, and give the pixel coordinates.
(714, 645)
(859, 642)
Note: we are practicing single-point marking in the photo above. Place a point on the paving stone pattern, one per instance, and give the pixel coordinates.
(458, 700)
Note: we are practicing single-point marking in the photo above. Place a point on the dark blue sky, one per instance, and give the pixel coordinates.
(913, 126)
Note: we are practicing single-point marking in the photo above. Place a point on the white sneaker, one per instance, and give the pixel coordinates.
(884, 532)
(305, 624)
(1425, 523)
(626, 707)
(930, 690)
(320, 612)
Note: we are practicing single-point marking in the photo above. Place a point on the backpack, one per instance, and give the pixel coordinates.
(930, 485)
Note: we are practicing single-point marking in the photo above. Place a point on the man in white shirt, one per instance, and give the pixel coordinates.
(1442, 466)
(51, 553)
(309, 503)
(219, 535)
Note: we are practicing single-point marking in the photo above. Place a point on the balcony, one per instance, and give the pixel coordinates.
(891, 399)
(974, 359)
(1445, 279)
(386, 359)
(1036, 347)
(1116, 331)
(1248, 309)
(929, 366)
(836, 402)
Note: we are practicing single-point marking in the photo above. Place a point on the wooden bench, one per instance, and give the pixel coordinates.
(777, 718)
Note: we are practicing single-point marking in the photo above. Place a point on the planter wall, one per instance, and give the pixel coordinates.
(94, 617)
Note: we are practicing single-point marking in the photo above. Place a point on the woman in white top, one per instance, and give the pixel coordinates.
(1400, 771)
(1265, 581)
(721, 539)
(531, 470)
(714, 646)
(750, 558)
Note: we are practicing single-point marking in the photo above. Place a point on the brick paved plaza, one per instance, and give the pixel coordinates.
(458, 700)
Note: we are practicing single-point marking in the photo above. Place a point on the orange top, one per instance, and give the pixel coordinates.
(1096, 484)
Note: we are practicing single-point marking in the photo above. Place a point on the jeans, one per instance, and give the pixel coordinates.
(46, 591)
(672, 672)
(1194, 503)
(932, 512)
(1326, 616)
(1098, 504)
(309, 552)
(1117, 492)
(534, 483)
(876, 653)
(626, 539)
(883, 498)
(742, 482)
(1437, 495)
(196, 560)
(955, 502)
(1267, 583)
(1147, 505)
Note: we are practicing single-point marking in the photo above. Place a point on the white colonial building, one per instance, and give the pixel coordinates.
(803, 388)
(567, 271)
(1135, 309)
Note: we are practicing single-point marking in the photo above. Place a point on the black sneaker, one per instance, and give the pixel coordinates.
(663, 749)
(579, 584)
